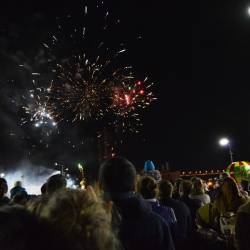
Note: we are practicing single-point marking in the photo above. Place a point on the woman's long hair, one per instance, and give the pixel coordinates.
(198, 187)
(229, 198)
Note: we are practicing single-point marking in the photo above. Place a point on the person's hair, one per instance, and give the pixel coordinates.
(165, 189)
(148, 187)
(178, 182)
(117, 175)
(230, 199)
(3, 187)
(79, 216)
(43, 189)
(198, 187)
(18, 184)
(55, 182)
(186, 187)
(222, 176)
(176, 188)
(20, 230)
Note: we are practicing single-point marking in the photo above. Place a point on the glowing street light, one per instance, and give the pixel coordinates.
(225, 142)
(248, 11)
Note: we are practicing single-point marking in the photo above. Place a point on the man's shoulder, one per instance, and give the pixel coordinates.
(155, 218)
(180, 205)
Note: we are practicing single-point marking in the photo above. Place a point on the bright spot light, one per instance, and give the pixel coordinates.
(54, 123)
(37, 125)
(248, 11)
(2, 175)
(224, 142)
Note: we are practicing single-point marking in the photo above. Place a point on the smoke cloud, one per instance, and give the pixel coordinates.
(31, 176)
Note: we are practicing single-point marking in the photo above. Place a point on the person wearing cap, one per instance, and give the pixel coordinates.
(149, 170)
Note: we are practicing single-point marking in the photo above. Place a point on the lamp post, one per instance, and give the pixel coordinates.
(225, 142)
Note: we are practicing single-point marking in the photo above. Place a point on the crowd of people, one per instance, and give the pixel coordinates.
(125, 210)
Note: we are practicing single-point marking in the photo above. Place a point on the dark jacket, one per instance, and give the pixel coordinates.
(16, 190)
(4, 201)
(192, 204)
(183, 216)
(242, 227)
(140, 228)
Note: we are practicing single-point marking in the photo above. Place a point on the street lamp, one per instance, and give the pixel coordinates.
(225, 142)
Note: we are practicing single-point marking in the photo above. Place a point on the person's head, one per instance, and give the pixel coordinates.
(156, 174)
(55, 182)
(230, 188)
(222, 176)
(79, 215)
(229, 197)
(177, 185)
(165, 189)
(148, 187)
(18, 184)
(3, 187)
(198, 187)
(194, 179)
(117, 175)
(43, 189)
(20, 230)
(186, 187)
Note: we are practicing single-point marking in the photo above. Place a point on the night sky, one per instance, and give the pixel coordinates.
(197, 53)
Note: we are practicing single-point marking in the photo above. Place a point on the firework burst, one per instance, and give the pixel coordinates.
(88, 88)
(38, 110)
(78, 90)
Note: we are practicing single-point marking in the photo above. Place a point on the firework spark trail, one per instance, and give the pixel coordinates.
(38, 109)
(87, 89)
